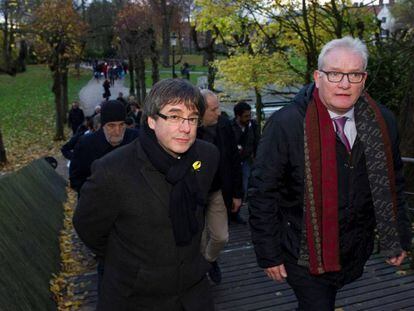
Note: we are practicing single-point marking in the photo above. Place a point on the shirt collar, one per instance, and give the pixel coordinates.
(349, 114)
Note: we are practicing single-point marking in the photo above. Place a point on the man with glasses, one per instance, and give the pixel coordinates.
(143, 208)
(328, 172)
(112, 134)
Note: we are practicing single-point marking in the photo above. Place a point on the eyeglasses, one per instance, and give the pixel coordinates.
(336, 77)
(174, 119)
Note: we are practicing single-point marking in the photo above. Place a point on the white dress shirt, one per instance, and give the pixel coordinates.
(350, 128)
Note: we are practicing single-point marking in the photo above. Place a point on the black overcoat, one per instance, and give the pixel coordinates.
(123, 216)
(89, 148)
(276, 194)
(230, 169)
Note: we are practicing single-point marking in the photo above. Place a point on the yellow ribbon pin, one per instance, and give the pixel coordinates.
(197, 165)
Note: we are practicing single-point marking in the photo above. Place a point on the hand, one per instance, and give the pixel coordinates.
(236, 205)
(277, 273)
(397, 260)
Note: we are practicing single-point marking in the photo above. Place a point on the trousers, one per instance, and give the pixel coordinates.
(216, 230)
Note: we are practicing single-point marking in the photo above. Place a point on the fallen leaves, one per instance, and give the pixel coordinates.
(68, 293)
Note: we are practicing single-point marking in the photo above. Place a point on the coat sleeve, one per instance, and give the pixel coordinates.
(403, 218)
(237, 179)
(67, 149)
(78, 169)
(96, 211)
(264, 184)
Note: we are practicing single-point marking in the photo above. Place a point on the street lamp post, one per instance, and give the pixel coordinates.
(173, 40)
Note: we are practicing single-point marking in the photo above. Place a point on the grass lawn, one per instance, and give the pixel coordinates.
(27, 113)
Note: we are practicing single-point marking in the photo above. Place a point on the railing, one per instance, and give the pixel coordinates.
(408, 160)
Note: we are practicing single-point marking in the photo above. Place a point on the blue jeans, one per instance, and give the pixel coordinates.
(246, 168)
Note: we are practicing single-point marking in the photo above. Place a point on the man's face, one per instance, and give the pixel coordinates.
(212, 112)
(114, 132)
(339, 97)
(175, 138)
(245, 118)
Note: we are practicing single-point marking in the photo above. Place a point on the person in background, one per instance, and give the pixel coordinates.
(247, 134)
(112, 134)
(226, 191)
(129, 122)
(185, 71)
(136, 114)
(107, 92)
(76, 117)
(68, 147)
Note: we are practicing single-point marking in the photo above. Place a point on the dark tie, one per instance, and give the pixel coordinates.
(339, 125)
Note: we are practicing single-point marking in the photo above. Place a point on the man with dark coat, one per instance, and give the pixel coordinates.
(112, 134)
(226, 190)
(75, 117)
(328, 172)
(247, 134)
(143, 208)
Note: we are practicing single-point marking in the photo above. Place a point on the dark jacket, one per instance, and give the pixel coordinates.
(69, 146)
(276, 194)
(75, 118)
(123, 216)
(246, 140)
(229, 171)
(89, 148)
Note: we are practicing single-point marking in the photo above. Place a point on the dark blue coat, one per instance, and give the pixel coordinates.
(89, 148)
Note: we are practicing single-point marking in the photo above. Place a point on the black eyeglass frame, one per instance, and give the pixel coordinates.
(166, 118)
(327, 73)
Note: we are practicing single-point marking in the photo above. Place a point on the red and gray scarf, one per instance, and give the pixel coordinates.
(320, 235)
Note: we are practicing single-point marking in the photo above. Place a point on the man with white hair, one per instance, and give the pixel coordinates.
(328, 172)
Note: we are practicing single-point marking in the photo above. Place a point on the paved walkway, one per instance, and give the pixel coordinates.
(91, 94)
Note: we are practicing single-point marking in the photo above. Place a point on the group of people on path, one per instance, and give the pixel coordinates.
(326, 177)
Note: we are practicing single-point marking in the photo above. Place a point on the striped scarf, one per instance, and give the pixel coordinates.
(320, 235)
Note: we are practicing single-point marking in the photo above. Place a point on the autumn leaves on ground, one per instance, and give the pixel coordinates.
(27, 123)
(28, 114)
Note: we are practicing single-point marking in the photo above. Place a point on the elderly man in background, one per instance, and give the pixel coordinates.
(112, 134)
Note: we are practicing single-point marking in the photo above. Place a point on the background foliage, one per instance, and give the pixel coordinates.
(28, 114)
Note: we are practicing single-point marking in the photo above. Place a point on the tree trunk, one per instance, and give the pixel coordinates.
(155, 72)
(131, 69)
(259, 108)
(207, 43)
(142, 79)
(165, 34)
(6, 44)
(211, 70)
(57, 91)
(137, 82)
(3, 158)
(65, 100)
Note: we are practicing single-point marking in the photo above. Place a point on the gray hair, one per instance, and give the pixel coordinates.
(349, 43)
(172, 91)
(206, 94)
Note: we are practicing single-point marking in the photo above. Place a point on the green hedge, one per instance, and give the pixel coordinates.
(31, 216)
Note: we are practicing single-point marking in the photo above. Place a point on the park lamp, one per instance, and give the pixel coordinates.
(173, 41)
